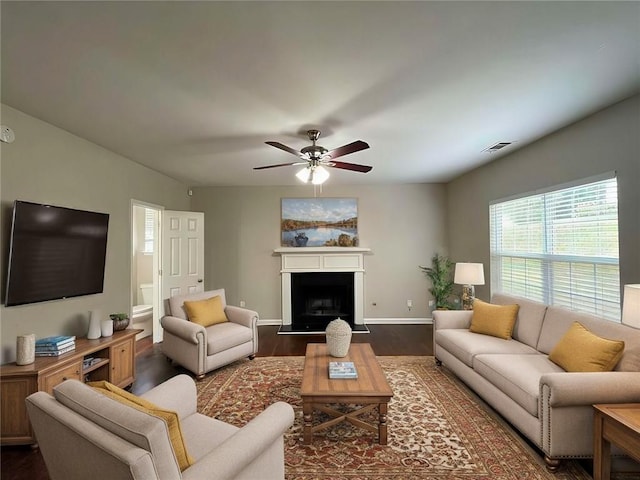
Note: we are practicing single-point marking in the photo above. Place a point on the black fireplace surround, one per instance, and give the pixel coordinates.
(319, 297)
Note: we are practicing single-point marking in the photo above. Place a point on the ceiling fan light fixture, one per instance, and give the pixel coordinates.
(316, 175)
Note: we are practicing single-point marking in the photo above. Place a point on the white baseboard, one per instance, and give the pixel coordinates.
(367, 321)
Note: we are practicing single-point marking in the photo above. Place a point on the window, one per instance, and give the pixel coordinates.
(560, 247)
(149, 220)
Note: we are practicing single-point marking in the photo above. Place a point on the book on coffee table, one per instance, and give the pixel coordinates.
(342, 370)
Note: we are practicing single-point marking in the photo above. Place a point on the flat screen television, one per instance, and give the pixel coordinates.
(55, 253)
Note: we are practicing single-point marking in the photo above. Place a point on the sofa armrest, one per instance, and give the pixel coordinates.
(244, 446)
(562, 389)
(184, 329)
(242, 316)
(451, 319)
(178, 394)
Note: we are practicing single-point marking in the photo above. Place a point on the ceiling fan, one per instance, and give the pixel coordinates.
(316, 158)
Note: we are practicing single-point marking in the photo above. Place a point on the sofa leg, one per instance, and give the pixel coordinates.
(252, 356)
(552, 464)
(438, 363)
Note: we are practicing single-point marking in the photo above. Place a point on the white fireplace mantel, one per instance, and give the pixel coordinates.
(323, 259)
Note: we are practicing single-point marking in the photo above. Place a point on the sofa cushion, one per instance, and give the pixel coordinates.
(170, 418)
(558, 320)
(518, 376)
(175, 304)
(204, 434)
(494, 320)
(223, 336)
(206, 312)
(529, 320)
(139, 428)
(579, 350)
(465, 345)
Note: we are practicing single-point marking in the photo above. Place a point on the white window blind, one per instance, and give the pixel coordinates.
(149, 218)
(560, 247)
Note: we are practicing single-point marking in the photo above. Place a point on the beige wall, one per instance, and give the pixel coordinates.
(608, 140)
(403, 225)
(49, 165)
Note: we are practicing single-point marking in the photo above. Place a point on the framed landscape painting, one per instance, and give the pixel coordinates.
(319, 222)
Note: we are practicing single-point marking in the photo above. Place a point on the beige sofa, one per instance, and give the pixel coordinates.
(202, 349)
(549, 406)
(84, 434)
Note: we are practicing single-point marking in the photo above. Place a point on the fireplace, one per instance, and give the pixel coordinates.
(320, 284)
(319, 297)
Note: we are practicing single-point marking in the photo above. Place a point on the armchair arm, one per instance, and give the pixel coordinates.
(243, 316)
(451, 319)
(239, 450)
(178, 394)
(184, 329)
(562, 389)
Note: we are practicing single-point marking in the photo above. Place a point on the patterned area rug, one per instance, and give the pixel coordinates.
(437, 428)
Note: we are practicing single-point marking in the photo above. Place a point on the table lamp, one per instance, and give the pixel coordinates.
(631, 305)
(468, 275)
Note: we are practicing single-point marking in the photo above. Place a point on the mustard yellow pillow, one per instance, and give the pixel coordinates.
(580, 350)
(206, 312)
(494, 320)
(171, 418)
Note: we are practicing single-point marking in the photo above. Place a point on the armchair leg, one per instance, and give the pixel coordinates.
(438, 363)
(552, 464)
(252, 356)
(200, 377)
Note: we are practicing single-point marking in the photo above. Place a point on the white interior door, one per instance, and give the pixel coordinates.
(182, 253)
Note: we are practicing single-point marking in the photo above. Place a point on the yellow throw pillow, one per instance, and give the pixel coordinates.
(171, 418)
(580, 350)
(206, 312)
(494, 320)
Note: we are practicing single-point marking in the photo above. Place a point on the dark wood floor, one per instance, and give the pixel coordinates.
(152, 368)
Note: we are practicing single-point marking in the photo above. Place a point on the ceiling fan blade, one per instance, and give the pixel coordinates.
(350, 166)
(280, 165)
(284, 147)
(347, 149)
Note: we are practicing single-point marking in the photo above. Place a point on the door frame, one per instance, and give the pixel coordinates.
(158, 308)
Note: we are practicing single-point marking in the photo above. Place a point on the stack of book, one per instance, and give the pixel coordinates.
(342, 370)
(56, 345)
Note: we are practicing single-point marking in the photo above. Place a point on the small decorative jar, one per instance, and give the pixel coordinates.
(106, 327)
(338, 335)
(120, 321)
(25, 349)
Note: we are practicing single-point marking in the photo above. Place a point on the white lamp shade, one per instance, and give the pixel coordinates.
(304, 174)
(469, 274)
(320, 175)
(631, 305)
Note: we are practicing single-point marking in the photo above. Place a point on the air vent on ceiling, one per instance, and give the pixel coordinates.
(497, 146)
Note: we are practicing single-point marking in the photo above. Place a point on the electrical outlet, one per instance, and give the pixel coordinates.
(242, 304)
(431, 303)
(409, 303)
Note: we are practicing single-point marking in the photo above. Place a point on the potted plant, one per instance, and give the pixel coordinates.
(441, 282)
(120, 321)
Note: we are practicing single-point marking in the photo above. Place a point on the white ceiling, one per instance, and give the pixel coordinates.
(194, 89)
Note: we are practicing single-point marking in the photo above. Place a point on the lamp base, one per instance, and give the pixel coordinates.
(468, 296)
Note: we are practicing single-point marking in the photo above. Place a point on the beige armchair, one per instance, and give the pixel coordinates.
(202, 349)
(84, 434)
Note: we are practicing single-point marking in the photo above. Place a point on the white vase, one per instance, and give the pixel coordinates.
(25, 349)
(94, 325)
(107, 327)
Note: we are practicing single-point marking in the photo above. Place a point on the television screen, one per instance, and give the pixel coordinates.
(55, 253)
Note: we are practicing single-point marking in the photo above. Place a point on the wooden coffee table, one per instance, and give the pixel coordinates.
(370, 390)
